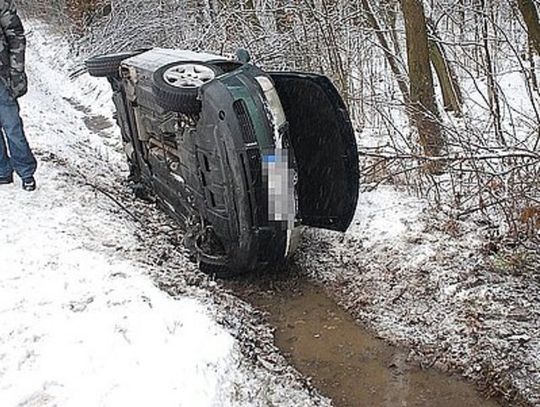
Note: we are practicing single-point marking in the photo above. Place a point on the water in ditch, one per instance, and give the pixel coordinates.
(345, 362)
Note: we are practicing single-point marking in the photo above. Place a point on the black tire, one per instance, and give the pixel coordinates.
(214, 263)
(179, 98)
(109, 65)
(216, 270)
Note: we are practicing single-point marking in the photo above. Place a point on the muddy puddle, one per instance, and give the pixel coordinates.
(346, 362)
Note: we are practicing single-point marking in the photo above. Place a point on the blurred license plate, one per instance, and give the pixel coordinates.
(279, 179)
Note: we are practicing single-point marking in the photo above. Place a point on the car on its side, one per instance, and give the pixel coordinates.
(241, 157)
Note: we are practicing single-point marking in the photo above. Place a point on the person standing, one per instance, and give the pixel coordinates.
(15, 153)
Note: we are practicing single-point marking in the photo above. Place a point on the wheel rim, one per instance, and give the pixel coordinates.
(188, 75)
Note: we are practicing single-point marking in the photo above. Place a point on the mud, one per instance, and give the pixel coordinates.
(344, 361)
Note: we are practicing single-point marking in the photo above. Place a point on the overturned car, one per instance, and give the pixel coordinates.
(242, 158)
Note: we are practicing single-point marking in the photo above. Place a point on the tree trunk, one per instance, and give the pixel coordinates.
(251, 14)
(401, 77)
(424, 111)
(530, 15)
(391, 11)
(532, 69)
(451, 91)
(492, 86)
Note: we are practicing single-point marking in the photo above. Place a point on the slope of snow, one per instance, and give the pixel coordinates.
(385, 215)
(82, 327)
(79, 324)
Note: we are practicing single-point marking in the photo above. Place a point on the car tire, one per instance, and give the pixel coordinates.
(176, 86)
(216, 270)
(109, 65)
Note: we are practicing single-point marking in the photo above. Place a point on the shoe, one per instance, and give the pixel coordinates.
(8, 179)
(29, 184)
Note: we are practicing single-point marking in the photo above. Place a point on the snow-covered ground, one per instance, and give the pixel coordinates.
(81, 321)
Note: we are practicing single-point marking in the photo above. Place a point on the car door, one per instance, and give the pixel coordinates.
(325, 149)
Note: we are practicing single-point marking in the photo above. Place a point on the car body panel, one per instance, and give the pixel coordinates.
(325, 149)
(260, 242)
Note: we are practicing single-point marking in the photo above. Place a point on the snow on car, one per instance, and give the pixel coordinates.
(241, 157)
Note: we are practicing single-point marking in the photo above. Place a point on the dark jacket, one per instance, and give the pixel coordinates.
(12, 49)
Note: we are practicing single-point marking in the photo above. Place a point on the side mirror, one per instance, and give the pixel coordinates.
(242, 55)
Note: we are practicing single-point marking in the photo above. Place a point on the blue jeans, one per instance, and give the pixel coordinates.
(20, 157)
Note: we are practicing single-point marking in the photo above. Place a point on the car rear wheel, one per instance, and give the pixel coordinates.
(176, 86)
(109, 65)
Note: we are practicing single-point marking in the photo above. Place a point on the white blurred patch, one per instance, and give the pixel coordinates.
(280, 181)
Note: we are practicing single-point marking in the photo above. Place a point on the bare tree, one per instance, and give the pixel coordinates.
(423, 106)
(493, 90)
(393, 62)
(530, 16)
(451, 90)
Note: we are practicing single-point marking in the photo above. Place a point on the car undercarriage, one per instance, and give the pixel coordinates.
(242, 158)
